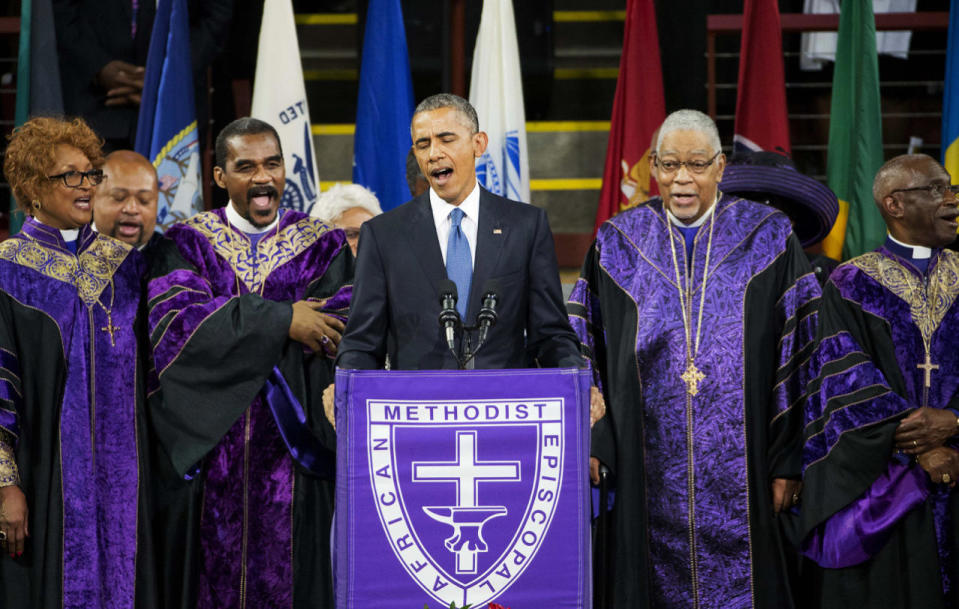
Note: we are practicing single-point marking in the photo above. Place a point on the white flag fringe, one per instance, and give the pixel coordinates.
(496, 91)
(279, 98)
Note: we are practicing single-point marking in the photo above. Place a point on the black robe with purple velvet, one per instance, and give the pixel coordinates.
(884, 532)
(237, 398)
(693, 519)
(71, 403)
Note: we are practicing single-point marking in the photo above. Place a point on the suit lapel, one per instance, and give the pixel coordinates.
(424, 242)
(490, 238)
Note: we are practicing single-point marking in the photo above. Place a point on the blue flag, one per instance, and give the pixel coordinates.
(385, 106)
(167, 128)
(950, 98)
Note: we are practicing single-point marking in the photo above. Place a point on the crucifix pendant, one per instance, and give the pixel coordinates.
(109, 328)
(692, 376)
(927, 367)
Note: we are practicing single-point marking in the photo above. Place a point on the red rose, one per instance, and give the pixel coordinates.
(497, 606)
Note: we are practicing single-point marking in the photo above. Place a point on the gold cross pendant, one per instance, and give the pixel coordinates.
(109, 328)
(927, 367)
(692, 376)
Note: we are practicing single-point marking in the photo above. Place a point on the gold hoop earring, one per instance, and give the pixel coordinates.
(37, 205)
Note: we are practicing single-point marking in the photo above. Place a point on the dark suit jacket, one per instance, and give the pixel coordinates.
(399, 267)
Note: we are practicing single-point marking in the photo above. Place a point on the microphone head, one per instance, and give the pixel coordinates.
(447, 289)
(491, 286)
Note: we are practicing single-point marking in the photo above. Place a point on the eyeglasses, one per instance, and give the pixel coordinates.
(937, 189)
(693, 166)
(73, 179)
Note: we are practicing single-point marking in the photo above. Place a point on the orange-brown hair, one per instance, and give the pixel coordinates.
(32, 151)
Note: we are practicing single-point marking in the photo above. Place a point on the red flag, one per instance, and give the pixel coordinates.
(761, 120)
(638, 111)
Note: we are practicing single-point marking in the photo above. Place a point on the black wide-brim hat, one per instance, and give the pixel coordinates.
(768, 177)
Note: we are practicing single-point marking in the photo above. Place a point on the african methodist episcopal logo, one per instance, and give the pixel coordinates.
(465, 490)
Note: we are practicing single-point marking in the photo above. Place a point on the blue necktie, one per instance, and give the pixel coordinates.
(459, 262)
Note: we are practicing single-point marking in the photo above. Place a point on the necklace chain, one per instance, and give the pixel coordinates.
(692, 375)
(930, 293)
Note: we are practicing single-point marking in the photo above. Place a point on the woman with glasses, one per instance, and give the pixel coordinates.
(71, 387)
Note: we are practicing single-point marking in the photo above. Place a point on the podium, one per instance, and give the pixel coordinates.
(464, 488)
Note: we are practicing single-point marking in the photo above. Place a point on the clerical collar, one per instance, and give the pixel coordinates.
(914, 252)
(69, 234)
(702, 219)
(243, 225)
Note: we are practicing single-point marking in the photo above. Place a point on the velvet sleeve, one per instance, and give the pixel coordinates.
(585, 315)
(852, 407)
(11, 399)
(213, 353)
(796, 313)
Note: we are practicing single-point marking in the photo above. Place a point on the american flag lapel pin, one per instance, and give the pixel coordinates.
(497, 231)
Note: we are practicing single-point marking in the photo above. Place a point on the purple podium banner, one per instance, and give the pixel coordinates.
(463, 488)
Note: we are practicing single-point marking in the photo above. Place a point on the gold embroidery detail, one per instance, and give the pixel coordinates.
(91, 273)
(272, 252)
(9, 472)
(943, 286)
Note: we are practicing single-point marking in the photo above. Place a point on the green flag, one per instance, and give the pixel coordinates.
(855, 134)
(38, 73)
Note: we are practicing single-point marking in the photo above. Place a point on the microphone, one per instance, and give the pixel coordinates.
(487, 314)
(449, 318)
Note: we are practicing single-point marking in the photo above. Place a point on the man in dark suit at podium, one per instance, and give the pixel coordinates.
(461, 232)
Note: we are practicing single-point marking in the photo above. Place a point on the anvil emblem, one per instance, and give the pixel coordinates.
(466, 517)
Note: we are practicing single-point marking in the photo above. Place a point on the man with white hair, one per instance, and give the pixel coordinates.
(697, 310)
(347, 206)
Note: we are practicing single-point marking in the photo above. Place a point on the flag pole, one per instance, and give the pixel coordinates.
(457, 47)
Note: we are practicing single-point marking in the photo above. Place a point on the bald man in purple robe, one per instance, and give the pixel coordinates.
(881, 452)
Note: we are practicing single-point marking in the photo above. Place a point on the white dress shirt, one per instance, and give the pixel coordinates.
(469, 224)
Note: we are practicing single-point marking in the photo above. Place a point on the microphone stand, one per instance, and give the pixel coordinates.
(450, 320)
(486, 319)
(468, 361)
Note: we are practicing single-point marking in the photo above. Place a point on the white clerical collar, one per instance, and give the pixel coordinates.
(918, 252)
(243, 225)
(68, 234)
(470, 205)
(702, 219)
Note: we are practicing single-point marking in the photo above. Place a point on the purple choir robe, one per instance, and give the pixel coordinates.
(884, 533)
(239, 411)
(71, 407)
(693, 525)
